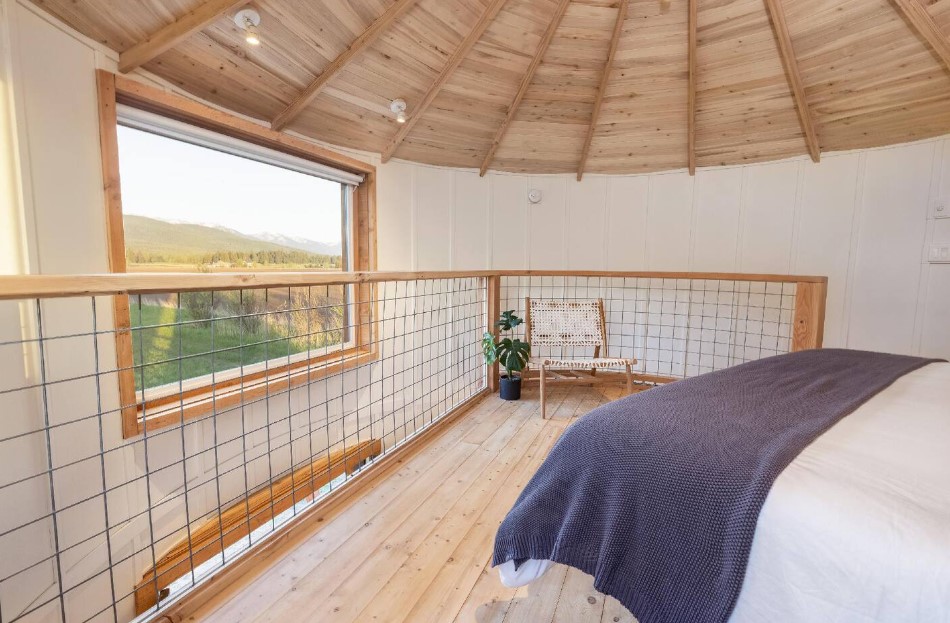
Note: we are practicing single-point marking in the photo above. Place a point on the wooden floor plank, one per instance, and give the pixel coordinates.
(417, 546)
(579, 600)
(614, 612)
(363, 597)
(256, 594)
(452, 576)
(360, 567)
(444, 556)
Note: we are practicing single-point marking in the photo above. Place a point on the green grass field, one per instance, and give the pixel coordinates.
(167, 351)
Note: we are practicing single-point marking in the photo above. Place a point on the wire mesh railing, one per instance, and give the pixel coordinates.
(674, 326)
(98, 527)
(155, 428)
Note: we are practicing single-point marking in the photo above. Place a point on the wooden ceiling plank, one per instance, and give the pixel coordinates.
(171, 35)
(691, 94)
(370, 35)
(460, 53)
(525, 83)
(604, 79)
(792, 73)
(921, 20)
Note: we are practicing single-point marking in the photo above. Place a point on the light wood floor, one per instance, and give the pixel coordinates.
(417, 546)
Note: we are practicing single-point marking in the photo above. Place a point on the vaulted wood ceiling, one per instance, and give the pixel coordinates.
(516, 84)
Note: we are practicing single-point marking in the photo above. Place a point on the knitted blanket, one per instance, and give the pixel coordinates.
(657, 495)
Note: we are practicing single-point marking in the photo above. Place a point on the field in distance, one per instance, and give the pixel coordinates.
(153, 245)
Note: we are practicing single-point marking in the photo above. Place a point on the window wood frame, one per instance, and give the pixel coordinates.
(168, 410)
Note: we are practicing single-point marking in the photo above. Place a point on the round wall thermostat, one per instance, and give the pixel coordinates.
(534, 196)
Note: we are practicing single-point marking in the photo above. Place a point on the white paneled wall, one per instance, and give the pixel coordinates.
(861, 218)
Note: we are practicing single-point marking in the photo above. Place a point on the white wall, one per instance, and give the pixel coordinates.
(863, 219)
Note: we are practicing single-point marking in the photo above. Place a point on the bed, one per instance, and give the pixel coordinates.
(855, 529)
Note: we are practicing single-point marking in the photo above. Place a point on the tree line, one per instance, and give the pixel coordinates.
(237, 258)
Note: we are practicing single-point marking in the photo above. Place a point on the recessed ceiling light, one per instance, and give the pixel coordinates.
(398, 106)
(249, 19)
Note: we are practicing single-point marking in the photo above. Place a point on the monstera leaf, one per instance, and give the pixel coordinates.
(513, 354)
(508, 320)
(489, 348)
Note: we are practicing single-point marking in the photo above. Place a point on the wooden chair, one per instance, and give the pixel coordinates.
(568, 323)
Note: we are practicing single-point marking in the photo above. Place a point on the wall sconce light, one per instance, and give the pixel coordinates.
(248, 19)
(398, 107)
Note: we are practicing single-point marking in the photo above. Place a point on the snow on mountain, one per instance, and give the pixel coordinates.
(297, 242)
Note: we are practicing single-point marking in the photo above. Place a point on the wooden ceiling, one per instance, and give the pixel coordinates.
(546, 86)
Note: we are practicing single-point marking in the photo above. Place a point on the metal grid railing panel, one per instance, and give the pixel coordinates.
(87, 512)
(673, 327)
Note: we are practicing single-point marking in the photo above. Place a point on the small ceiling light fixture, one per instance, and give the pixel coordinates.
(398, 107)
(249, 19)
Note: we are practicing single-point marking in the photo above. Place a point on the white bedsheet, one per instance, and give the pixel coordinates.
(857, 528)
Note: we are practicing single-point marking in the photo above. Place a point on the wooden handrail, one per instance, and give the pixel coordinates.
(246, 515)
(14, 287)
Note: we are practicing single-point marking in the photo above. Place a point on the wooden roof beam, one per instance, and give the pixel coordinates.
(916, 13)
(171, 35)
(525, 83)
(366, 39)
(691, 94)
(780, 28)
(604, 79)
(456, 59)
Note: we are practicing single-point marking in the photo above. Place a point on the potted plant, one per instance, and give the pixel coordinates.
(510, 352)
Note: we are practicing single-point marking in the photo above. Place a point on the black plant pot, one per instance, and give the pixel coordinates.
(510, 388)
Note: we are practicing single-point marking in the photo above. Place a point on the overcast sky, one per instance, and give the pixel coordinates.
(175, 181)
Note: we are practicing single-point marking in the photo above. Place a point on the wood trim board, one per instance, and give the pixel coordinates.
(113, 90)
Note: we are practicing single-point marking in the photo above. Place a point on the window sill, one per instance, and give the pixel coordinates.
(168, 411)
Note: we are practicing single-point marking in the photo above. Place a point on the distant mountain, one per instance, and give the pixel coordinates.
(304, 244)
(163, 238)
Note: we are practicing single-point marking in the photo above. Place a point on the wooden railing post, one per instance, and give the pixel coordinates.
(808, 327)
(493, 313)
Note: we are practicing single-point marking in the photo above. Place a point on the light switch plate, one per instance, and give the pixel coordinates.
(941, 207)
(939, 254)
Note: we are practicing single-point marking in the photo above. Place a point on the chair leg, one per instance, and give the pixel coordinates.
(543, 374)
(629, 380)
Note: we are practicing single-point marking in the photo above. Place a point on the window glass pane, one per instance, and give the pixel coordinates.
(189, 208)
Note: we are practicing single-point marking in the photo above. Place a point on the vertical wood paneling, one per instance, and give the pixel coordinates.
(669, 220)
(509, 233)
(824, 231)
(627, 222)
(716, 219)
(838, 218)
(547, 222)
(63, 161)
(768, 213)
(892, 228)
(586, 208)
(394, 216)
(470, 234)
(433, 197)
(936, 325)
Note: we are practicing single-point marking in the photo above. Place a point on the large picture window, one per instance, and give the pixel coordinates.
(195, 195)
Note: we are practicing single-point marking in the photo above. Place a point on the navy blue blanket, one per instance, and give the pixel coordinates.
(658, 495)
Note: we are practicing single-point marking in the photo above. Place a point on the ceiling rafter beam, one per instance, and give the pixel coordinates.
(451, 65)
(171, 35)
(691, 94)
(525, 83)
(604, 80)
(366, 39)
(792, 73)
(921, 20)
